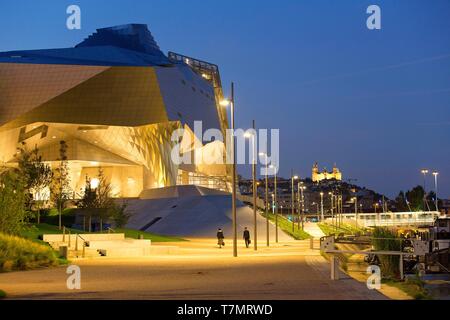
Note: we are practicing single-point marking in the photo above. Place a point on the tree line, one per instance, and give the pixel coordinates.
(32, 185)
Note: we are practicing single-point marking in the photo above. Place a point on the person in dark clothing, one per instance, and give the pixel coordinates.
(247, 237)
(220, 238)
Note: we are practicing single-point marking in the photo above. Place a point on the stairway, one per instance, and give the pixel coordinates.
(98, 245)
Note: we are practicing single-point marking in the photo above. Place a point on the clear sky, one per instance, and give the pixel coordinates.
(376, 102)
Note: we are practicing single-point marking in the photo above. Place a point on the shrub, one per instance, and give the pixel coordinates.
(12, 202)
(385, 239)
(22, 254)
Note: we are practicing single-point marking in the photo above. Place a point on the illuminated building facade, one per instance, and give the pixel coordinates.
(115, 99)
(318, 176)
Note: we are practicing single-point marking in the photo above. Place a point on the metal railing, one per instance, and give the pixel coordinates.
(76, 245)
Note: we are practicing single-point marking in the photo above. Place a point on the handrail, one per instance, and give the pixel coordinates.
(76, 244)
(111, 229)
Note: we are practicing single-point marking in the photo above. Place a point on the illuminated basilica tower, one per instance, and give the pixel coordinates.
(318, 176)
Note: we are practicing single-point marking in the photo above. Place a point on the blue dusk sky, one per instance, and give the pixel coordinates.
(376, 102)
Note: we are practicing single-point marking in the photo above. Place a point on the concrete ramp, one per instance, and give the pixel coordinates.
(192, 214)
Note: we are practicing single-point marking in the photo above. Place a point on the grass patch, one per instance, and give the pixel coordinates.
(286, 225)
(18, 253)
(414, 287)
(52, 216)
(346, 229)
(130, 233)
(35, 232)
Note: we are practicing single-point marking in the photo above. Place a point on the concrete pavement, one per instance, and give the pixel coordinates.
(200, 270)
(313, 229)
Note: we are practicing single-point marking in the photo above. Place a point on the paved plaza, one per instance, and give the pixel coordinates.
(199, 270)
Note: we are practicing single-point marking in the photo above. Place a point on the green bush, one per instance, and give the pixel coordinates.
(52, 216)
(12, 202)
(385, 239)
(22, 254)
(2, 294)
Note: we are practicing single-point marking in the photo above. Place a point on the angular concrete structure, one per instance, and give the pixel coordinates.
(115, 99)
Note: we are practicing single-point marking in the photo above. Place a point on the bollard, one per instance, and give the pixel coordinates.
(401, 267)
(311, 243)
(63, 251)
(334, 267)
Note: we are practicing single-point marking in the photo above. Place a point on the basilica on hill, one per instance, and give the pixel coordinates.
(318, 176)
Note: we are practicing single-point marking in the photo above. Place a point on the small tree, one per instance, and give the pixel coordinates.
(99, 202)
(121, 215)
(415, 198)
(37, 176)
(60, 190)
(400, 202)
(12, 201)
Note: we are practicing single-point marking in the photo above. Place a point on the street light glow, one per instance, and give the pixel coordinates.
(224, 103)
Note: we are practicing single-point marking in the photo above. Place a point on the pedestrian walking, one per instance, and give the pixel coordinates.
(247, 237)
(220, 238)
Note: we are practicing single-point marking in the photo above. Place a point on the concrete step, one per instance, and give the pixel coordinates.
(125, 252)
(86, 236)
(88, 253)
(120, 244)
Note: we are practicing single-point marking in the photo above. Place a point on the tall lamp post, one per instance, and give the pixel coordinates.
(435, 174)
(425, 203)
(332, 209)
(317, 208)
(225, 103)
(275, 201)
(292, 199)
(255, 187)
(356, 210)
(302, 189)
(321, 207)
(298, 204)
(266, 194)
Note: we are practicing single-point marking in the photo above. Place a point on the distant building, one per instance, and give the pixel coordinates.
(325, 175)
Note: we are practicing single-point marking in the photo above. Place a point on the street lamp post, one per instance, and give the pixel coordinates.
(332, 209)
(266, 195)
(292, 199)
(233, 179)
(425, 203)
(298, 204)
(302, 188)
(275, 203)
(255, 188)
(356, 210)
(321, 207)
(317, 208)
(435, 174)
